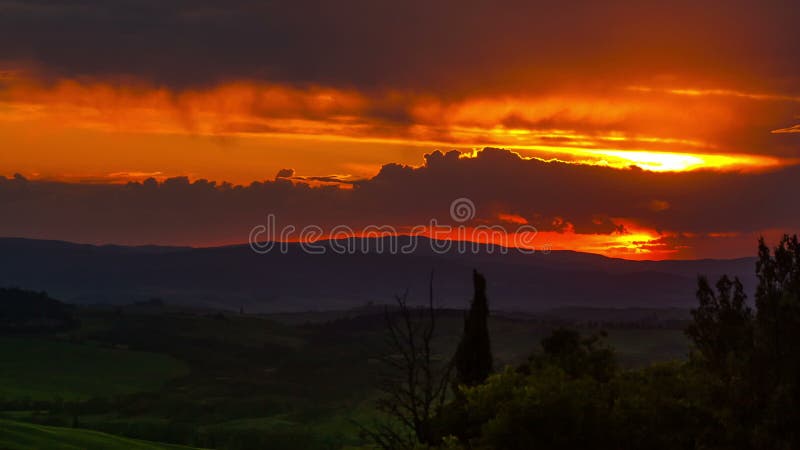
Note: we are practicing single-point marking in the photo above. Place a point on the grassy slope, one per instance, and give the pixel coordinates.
(43, 369)
(256, 383)
(23, 436)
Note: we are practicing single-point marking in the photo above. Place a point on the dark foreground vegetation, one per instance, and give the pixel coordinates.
(739, 389)
(411, 376)
(31, 312)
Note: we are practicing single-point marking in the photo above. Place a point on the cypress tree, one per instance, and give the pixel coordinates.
(473, 358)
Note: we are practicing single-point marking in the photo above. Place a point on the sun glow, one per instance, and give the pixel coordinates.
(677, 162)
(631, 241)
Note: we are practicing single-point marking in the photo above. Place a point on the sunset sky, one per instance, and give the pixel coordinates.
(631, 129)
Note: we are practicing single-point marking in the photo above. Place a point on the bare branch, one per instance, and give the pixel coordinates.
(415, 387)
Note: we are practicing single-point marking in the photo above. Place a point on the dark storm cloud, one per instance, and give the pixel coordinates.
(441, 46)
(285, 173)
(500, 182)
(550, 196)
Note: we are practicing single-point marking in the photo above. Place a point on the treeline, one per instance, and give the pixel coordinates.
(23, 311)
(739, 389)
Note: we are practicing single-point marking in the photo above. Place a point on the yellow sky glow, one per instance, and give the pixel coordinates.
(261, 128)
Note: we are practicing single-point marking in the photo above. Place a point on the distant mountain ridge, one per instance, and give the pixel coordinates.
(234, 276)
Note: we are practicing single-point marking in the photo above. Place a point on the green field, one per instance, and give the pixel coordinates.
(25, 436)
(46, 369)
(223, 380)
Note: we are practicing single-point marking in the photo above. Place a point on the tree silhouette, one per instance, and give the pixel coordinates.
(415, 380)
(577, 355)
(722, 326)
(777, 368)
(473, 357)
(739, 390)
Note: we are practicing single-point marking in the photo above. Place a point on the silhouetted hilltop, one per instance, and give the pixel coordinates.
(28, 311)
(235, 276)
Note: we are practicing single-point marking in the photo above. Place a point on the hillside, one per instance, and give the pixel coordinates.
(24, 311)
(233, 277)
(23, 436)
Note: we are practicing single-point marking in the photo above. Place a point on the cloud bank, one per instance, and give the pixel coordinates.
(705, 212)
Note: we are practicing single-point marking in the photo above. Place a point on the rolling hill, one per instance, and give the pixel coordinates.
(234, 276)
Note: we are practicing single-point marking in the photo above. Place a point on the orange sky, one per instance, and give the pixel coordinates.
(246, 131)
(335, 95)
(94, 132)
